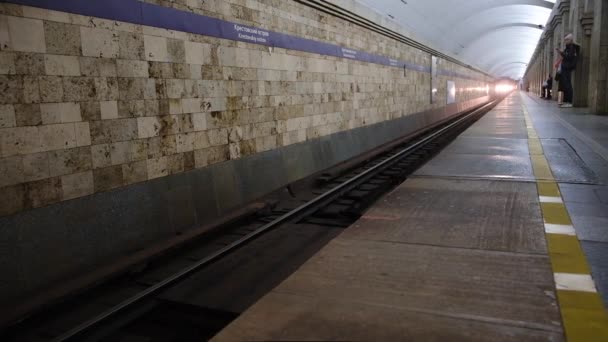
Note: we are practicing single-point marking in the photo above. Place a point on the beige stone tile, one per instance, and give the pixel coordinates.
(7, 116)
(150, 91)
(201, 140)
(131, 46)
(227, 56)
(59, 65)
(5, 40)
(53, 113)
(255, 57)
(148, 126)
(238, 133)
(106, 131)
(11, 9)
(197, 53)
(160, 32)
(13, 199)
(235, 151)
(12, 89)
(176, 50)
(28, 115)
(166, 145)
(157, 167)
(31, 90)
(218, 136)
(214, 104)
(94, 66)
(156, 48)
(266, 143)
(135, 172)
(131, 88)
(196, 72)
(185, 124)
(7, 63)
(185, 142)
(63, 39)
(77, 185)
(19, 141)
(80, 20)
(175, 88)
(132, 68)
(11, 169)
(27, 63)
(101, 156)
(56, 137)
(43, 192)
(247, 147)
(44, 14)
(105, 24)
(191, 105)
(90, 111)
(211, 72)
(189, 162)
(180, 70)
(151, 107)
(109, 110)
(83, 134)
(175, 163)
(51, 88)
(79, 89)
(199, 121)
(171, 106)
(63, 162)
(131, 109)
(211, 155)
(170, 124)
(242, 58)
(99, 42)
(107, 178)
(107, 88)
(161, 70)
(36, 166)
(26, 34)
(120, 152)
(139, 150)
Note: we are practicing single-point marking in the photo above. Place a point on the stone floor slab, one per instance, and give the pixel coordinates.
(489, 146)
(507, 289)
(300, 318)
(448, 164)
(496, 215)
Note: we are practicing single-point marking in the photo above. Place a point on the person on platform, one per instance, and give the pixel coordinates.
(558, 71)
(547, 87)
(569, 59)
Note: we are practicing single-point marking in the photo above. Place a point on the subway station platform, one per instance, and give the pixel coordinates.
(501, 237)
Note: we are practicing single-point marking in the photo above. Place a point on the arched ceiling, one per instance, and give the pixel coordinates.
(496, 36)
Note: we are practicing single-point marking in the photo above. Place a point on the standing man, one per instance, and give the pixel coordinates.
(569, 59)
(547, 87)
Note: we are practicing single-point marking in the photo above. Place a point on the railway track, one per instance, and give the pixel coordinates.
(194, 292)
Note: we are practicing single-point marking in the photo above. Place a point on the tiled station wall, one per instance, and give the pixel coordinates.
(89, 104)
(115, 134)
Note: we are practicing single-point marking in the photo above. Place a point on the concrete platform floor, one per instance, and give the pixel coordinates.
(580, 165)
(457, 252)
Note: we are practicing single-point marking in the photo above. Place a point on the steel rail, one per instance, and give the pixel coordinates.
(301, 210)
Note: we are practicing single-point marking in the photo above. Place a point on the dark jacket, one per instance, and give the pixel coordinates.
(570, 57)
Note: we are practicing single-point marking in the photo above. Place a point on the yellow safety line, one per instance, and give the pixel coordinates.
(581, 307)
